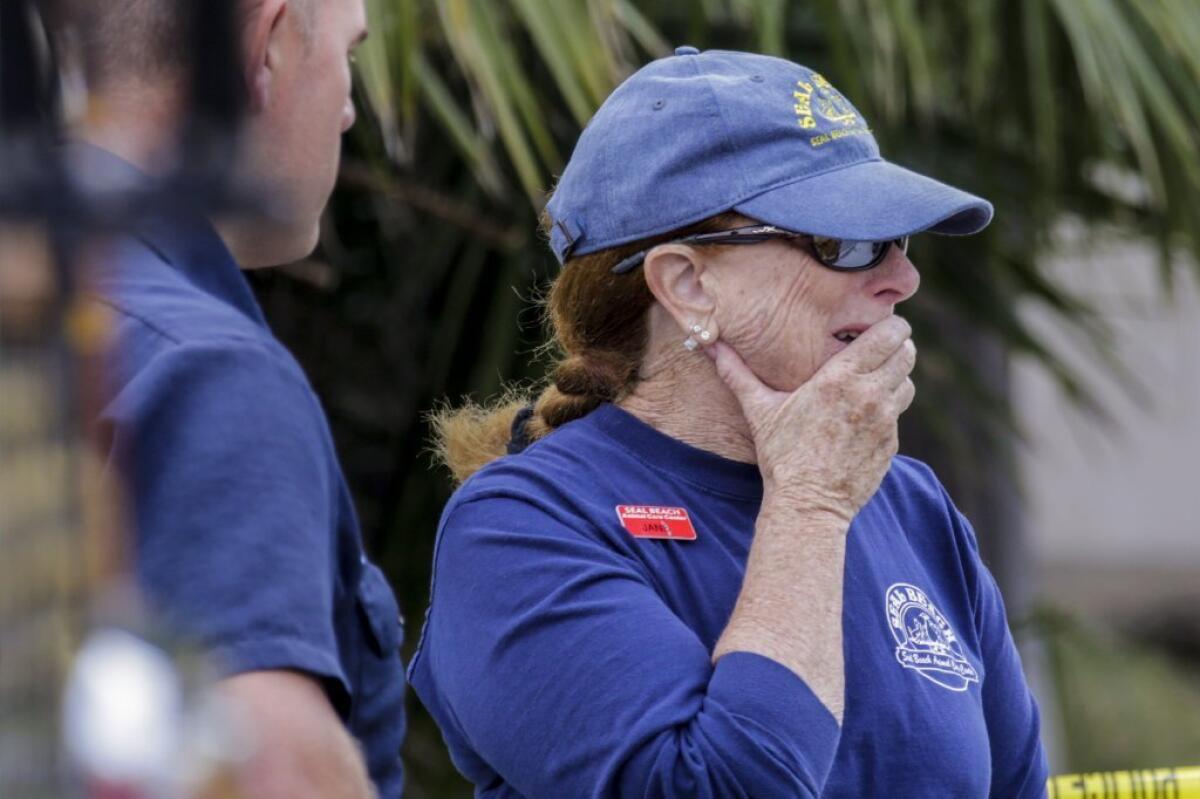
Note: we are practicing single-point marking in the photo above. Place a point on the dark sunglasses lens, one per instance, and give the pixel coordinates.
(845, 254)
(828, 250)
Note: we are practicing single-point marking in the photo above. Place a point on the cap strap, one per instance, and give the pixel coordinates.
(564, 235)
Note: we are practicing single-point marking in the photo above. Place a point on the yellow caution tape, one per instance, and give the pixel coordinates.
(1158, 783)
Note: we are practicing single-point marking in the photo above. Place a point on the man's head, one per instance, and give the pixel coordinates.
(298, 71)
(296, 63)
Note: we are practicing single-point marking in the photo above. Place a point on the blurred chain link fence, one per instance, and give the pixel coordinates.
(63, 543)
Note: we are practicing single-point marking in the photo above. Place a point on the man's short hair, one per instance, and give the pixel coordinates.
(127, 38)
(124, 39)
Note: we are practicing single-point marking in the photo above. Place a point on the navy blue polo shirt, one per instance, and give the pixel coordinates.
(245, 535)
(579, 589)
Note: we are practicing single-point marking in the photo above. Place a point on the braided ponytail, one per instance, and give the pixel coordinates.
(581, 383)
(598, 321)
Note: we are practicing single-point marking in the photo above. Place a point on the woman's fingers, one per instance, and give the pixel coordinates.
(903, 395)
(844, 418)
(751, 392)
(876, 345)
(899, 365)
(830, 440)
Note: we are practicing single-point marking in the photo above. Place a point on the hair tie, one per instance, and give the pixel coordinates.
(519, 437)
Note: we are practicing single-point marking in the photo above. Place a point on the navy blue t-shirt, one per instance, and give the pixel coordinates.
(245, 535)
(564, 656)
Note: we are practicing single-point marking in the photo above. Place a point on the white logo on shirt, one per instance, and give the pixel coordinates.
(925, 641)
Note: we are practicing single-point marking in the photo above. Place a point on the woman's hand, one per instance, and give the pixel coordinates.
(825, 447)
(823, 450)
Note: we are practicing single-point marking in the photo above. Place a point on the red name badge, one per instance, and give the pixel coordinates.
(653, 521)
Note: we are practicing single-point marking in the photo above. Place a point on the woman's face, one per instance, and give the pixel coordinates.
(786, 314)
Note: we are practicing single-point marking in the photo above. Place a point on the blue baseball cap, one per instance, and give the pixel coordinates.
(696, 134)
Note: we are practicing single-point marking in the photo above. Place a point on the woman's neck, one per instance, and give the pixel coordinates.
(680, 394)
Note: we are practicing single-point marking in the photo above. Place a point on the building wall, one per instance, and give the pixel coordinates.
(1113, 506)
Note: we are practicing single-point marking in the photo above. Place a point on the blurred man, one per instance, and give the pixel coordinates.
(245, 533)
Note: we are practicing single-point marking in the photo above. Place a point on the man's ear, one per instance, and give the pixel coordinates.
(263, 26)
(679, 280)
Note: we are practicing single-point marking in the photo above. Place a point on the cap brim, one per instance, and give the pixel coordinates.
(869, 201)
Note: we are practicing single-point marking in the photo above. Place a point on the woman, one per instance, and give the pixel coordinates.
(699, 570)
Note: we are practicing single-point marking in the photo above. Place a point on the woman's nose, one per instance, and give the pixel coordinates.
(894, 280)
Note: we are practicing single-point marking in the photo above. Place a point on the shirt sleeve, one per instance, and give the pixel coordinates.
(569, 676)
(1019, 765)
(232, 501)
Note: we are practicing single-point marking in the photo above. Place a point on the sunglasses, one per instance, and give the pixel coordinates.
(843, 255)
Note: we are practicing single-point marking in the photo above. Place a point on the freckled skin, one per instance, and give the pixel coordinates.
(779, 308)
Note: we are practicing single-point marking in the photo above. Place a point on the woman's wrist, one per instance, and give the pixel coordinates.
(806, 509)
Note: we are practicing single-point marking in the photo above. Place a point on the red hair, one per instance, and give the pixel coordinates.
(598, 323)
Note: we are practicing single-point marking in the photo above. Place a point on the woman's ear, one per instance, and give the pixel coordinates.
(679, 279)
(262, 27)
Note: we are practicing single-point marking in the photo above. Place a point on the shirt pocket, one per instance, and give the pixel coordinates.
(379, 612)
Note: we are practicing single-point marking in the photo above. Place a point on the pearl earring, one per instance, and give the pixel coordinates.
(691, 344)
